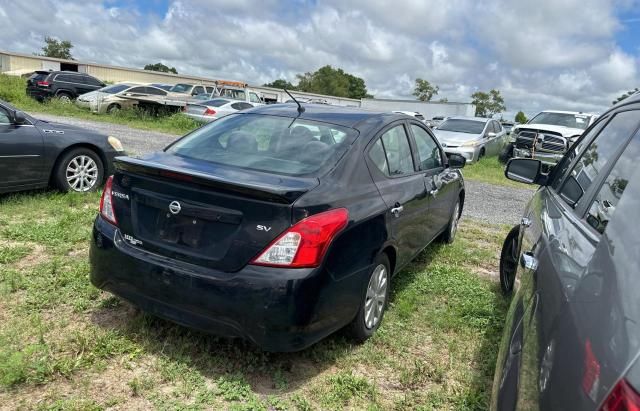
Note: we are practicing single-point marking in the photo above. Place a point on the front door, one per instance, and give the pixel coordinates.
(402, 188)
(21, 153)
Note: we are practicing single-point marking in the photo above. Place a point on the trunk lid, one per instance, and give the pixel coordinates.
(215, 216)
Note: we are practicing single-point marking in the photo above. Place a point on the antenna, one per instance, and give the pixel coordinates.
(300, 108)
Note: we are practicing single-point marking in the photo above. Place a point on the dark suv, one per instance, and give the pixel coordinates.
(65, 85)
(572, 334)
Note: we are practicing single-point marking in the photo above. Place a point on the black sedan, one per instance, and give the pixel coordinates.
(280, 225)
(36, 154)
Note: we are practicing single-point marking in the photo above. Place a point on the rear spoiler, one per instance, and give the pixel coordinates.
(237, 181)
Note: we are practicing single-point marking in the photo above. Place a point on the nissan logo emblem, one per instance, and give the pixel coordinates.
(175, 207)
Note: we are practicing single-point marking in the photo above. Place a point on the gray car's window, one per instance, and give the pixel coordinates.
(155, 91)
(273, 144)
(4, 116)
(596, 156)
(140, 90)
(376, 154)
(396, 147)
(606, 201)
(218, 102)
(428, 151)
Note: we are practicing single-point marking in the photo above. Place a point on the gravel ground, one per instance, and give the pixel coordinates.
(495, 204)
(486, 202)
(134, 140)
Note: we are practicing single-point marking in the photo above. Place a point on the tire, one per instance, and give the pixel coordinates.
(506, 153)
(509, 261)
(481, 154)
(364, 326)
(79, 170)
(449, 235)
(64, 97)
(113, 108)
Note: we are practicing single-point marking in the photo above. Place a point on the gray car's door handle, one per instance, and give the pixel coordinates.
(528, 261)
(397, 210)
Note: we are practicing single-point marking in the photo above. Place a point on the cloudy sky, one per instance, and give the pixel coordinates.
(563, 54)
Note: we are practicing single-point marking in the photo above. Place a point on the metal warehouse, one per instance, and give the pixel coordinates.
(19, 64)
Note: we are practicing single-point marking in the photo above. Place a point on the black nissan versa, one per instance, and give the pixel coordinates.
(572, 334)
(280, 225)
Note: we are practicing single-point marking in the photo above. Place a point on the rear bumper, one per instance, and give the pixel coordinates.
(277, 309)
(38, 94)
(200, 118)
(545, 158)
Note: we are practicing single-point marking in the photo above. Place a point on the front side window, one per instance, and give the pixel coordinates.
(253, 97)
(155, 91)
(137, 90)
(596, 156)
(273, 144)
(398, 151)
(428, 151)
(4, 116)
(198, 90)
(606, 200)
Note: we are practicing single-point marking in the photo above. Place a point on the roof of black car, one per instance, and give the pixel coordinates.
(343, 116)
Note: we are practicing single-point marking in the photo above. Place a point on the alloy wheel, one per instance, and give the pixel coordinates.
(454, 222)
(376, 297)
(82, 173)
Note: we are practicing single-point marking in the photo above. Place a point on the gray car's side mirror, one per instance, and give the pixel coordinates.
(19, 118)
(524, 170)
(456, 161)
(490, 134)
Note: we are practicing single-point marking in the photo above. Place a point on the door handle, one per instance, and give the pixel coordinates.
(397, 210)
(528, 261)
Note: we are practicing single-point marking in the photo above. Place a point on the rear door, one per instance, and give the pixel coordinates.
(21, 153)
(402, 188)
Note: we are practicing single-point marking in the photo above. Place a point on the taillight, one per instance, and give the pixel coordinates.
(591, 375)
(622, 398)
(305, 243)
(209, 112)
(43, 83)
(107, 211)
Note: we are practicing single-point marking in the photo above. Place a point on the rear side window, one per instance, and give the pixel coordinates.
(396, 147)
(39, 76)
(139, 90)
(155, 91)
(376, 154)
(596, 156)
(606, 200)
(273, 144)
(4, 116)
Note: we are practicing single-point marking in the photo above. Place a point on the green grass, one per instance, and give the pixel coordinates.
(490, 170)
(67, 345)
(12, 89)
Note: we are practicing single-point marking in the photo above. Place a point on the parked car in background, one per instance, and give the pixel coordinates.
(549, 134)
(65, 85)
(241, 94)
(208, 111)
(165, 87)
(471, 137)
(123, 96)
(182, 90)
(252, 227)
(435, 122)
(508, 126)
(36, 154)
(89, 99)
(413, 114)
(572, 334)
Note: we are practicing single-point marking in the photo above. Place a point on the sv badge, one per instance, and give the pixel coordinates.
(263, 228)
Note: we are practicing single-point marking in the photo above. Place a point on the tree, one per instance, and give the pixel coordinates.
(488, 104)
(424, 91)
(443, 100)
(625, 95)
(333, 82)
(60, 49)
(280, 83)
(161, 67)
(521, 117)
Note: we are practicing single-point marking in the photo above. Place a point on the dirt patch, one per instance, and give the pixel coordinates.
(38, 255)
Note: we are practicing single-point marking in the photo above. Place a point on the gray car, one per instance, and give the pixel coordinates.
(471, 137)
(572, 333)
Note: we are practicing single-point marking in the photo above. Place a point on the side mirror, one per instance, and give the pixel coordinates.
(19, 118)
(571, 191)
(490, 134)
(456, 161)
(524, 170)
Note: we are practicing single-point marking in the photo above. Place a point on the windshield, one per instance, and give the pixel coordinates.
(115, 88)
(580, 121)
(181, 88)
(462, 126)
(273, 144)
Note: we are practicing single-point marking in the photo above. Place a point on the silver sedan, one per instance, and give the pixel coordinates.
(208, 111)
(471, 137)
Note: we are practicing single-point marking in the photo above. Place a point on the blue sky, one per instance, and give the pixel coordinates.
(548, 54)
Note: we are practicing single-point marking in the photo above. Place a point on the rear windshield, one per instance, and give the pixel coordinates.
(116, 88)
(39, 76)
(462, 126)
(219, 102)
(181, 88)
(281, 145)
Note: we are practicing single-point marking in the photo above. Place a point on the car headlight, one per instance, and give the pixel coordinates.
(115, 143)
(471, 143)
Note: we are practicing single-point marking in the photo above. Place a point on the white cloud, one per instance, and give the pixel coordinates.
(543, 54)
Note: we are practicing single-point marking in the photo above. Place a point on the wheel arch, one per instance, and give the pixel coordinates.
(88, 146)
